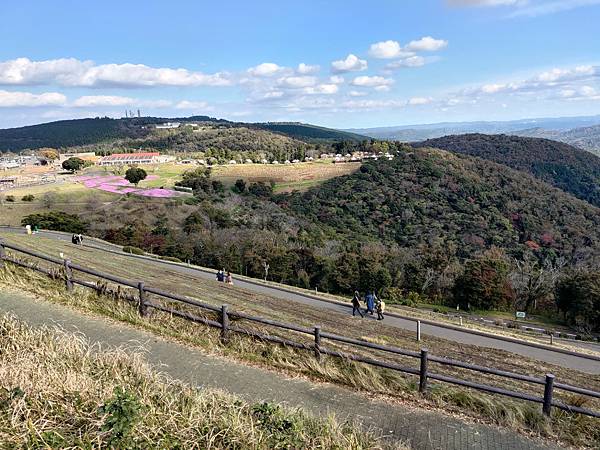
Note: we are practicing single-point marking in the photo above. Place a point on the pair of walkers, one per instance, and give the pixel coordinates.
(224, 277)
(372, 302)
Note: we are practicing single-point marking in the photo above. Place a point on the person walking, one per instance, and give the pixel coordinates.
(356, 304)
(229, 278)
(380, 305)
(220, 276)
(370, 301)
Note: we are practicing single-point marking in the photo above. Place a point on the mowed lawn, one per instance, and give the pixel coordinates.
(166, 278)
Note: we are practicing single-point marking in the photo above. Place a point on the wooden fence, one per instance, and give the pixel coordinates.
(225, 314)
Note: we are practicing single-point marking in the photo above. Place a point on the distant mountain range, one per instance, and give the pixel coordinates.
(583, 132)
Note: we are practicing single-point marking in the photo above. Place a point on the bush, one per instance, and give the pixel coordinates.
(10, 198)
(133, 250)
(261, 189)
(170, 258)
(28, 198)
(135, 174)
(57, 221)
(578, 297)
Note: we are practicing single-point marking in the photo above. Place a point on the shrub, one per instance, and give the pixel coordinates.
(10, 198)
(135, 174)
(57, 221)
(578, 297)
(133, 250)
(170, 258)
(28, 198)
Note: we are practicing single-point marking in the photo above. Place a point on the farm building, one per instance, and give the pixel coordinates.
(127, 159)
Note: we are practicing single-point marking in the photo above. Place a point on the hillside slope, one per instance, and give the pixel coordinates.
(434, 199)
(573, 170)
(309, 132)
(76, 132)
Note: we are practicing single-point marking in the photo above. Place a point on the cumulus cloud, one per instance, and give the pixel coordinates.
(336, 79)
(427, 44)
(27, 99)
(296, 82)
(306, 69)
(265, 70)
(387, 50)
(374, 81)
(357, 93)
(351, 64)
(71, 72)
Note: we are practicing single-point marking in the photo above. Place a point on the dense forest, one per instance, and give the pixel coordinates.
(568, 168)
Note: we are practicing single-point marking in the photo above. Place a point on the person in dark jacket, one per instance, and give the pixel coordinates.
(220, 276)
(370, 301)
(356, 304)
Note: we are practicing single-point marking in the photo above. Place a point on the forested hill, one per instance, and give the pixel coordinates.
(566, 167)
(441, 203)
(77, 132)
(310, 133)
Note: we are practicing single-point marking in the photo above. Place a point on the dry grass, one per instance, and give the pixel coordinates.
(521, 416)
(287, 177)
(58, 392)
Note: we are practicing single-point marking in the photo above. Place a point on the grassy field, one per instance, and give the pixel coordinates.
(286, 177)
(56, 391)
(576, 430)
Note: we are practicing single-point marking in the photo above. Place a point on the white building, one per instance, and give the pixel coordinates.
(127, 159)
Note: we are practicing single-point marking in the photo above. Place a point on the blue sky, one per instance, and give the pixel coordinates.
(342, 63)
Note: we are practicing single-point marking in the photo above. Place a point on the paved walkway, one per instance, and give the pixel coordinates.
(421, 429)
(462, 337)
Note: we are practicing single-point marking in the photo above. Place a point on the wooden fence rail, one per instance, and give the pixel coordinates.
(66, 269)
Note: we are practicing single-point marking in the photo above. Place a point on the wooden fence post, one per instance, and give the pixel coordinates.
(318, 343)
(418, 330)
(142, 307)
(2, 253)
(423, 371)
(224, 324)
(548, 388)
(68, 275)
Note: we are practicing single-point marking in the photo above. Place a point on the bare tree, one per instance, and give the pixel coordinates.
(534, 280)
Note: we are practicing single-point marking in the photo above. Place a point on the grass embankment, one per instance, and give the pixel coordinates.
(521, 416)
(58, 392)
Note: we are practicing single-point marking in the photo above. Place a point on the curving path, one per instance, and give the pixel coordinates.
(581, 362)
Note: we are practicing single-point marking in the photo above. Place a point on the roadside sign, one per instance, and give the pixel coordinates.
(520, 314)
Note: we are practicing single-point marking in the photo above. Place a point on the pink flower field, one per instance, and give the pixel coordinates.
(119, 185)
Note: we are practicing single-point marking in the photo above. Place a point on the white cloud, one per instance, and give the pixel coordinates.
(411, 62)
(27, 99)
(297, 82)
(351, 64)
(336, 79)
(102, 100)
(357, 93)
(265, 70)
(557, 75)
(75, 73)
(326, 89)
(374, 81)
(386, 50)
(358, 105)
(427, 44)
(305, 69)
(528, 8)
(189, 104)
(415, 101)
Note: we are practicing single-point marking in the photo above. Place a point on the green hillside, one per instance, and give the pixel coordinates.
(573, 170)
(78, 132)
(310, 132)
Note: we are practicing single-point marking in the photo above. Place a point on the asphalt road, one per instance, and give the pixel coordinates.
(572, 361)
